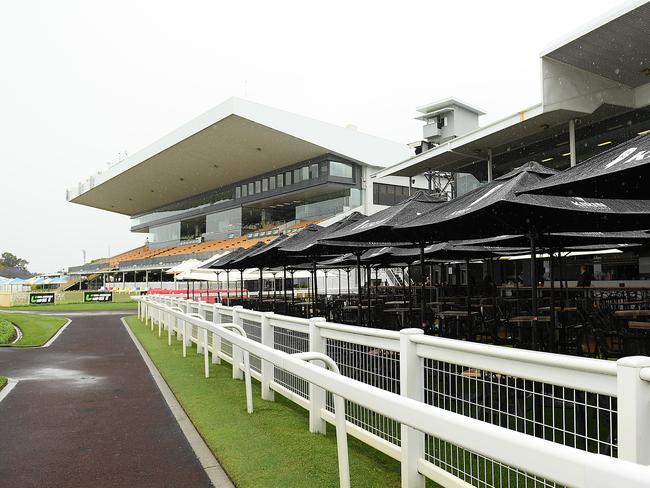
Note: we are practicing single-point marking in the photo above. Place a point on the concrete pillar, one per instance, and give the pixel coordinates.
(489, 166)
(572, 142)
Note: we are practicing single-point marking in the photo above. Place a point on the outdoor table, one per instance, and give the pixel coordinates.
(634, 324)
(457, 314)
(632, 313)
(401, 312)
(530, 319)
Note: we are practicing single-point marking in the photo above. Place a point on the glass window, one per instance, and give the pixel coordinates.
(221, 225)
(341, 170)
(280, 179)
(265, 184)
(272, 183)
(238, 192)
(251, 188)
(296, 176)
(258, 186)
(165, 233)
(244, 190)
(287, 178)
(304, 173)
(313, 171)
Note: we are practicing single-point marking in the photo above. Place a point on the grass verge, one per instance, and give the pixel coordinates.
(273, 446)
(77, 306)
(36, 329)
(3, 382)
(7, 331)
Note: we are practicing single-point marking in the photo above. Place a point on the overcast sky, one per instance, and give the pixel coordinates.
(82, 81)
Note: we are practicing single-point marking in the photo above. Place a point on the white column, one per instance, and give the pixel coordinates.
(267, 367)
(237, 353)
(216, 339)
(633, 402)
(411, 386)
(572, 141)
(489, 166)
(317, 395)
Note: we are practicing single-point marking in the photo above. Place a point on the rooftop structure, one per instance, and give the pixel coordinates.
(595, 92)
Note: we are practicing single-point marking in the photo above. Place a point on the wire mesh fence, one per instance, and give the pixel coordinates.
(291, 342)
(373, 366)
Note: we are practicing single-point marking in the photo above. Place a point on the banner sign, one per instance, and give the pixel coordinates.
(41, 298)
(98, 296)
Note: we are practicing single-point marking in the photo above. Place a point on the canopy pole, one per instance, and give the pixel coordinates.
(422, 285)
(241, 288)
(368, 283)
(551, 262)
(468, 290)
(284, 287)
(410, 296)
(359, 312)
(293, 298)
(274, 294)
(533, 280)
(347, 271)
(228, 287)
(315, 290)
(261, 287)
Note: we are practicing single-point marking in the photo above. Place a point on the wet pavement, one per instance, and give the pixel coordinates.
(87, 413)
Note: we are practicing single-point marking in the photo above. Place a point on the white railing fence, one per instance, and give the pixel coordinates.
(460, 413)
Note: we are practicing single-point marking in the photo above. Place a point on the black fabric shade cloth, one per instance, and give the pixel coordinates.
(228, 261)
(497, 208)
(440, 252)
(312, 246)
(270, 256)
(620, 172)
(376, 230)
(561, 240)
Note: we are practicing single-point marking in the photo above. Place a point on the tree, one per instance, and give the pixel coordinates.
(8, 260)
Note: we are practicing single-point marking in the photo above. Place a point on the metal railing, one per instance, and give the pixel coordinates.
(523, 414)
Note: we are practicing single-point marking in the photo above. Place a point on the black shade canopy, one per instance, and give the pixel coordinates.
(620, 172)
(443, 251)
(312, 246)
(228, 261)
(270, 255)
(566, 239)
(498, 208)
(376, 230)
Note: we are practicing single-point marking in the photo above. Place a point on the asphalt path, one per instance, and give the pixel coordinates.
(87, 413)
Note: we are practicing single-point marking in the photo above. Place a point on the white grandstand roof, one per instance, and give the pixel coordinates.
(614, 48)
(235, 140)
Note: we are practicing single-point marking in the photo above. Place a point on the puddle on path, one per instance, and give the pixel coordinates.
(71, 376)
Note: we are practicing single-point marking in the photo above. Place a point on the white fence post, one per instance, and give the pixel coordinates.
(237, 354)
(216, 339)
(633, 410)
(200, 344)
(411, 386)
(267, 367)
(317, 395)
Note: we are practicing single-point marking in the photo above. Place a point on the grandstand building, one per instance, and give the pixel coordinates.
(238, 174)
(243, 172)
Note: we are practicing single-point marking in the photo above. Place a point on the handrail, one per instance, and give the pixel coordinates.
(570, 466)
(339, 414)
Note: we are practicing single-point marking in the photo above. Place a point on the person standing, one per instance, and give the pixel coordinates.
(585, 277)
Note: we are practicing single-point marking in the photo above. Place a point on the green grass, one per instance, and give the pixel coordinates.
(7, 332)
(273, 446)
(36, 329)
(3, 382)
(77, 306)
